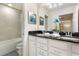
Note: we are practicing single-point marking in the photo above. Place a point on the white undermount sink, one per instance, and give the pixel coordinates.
(40, 35)
(49, 35)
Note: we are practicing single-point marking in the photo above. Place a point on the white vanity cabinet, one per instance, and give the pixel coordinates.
(42, 49)
(59, 48)
(32, 45)
(40, 46)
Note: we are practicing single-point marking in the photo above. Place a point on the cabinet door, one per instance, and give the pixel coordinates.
(57, 52)
(75, 49)
(32, 46)
(59, 44)
(59, 48)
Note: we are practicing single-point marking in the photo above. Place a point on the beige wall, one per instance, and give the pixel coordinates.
(10, 26)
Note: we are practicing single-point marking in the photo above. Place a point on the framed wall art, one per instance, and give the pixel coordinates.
(41, 20)
(31, 18)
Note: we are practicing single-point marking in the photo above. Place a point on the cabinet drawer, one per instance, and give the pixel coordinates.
(58, 44)
(41, 40)
(45, 41)
(75, 48)
(42, 46)
(41, 52)
(32, 38)
(57, 52)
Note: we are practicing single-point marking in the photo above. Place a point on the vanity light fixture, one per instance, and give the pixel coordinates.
(10, 5)
(50, 5)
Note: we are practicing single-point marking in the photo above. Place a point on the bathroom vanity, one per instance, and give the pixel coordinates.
(40, 45)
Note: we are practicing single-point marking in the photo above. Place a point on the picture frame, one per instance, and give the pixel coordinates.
(31, 18)
(42, 21)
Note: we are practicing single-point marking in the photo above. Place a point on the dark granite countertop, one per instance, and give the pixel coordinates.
(58, 38)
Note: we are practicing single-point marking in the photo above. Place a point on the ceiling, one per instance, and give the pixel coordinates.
(44, 5)
(15, 5)
(58, 6)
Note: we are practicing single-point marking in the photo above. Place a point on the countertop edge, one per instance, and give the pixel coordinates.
(55, 39)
